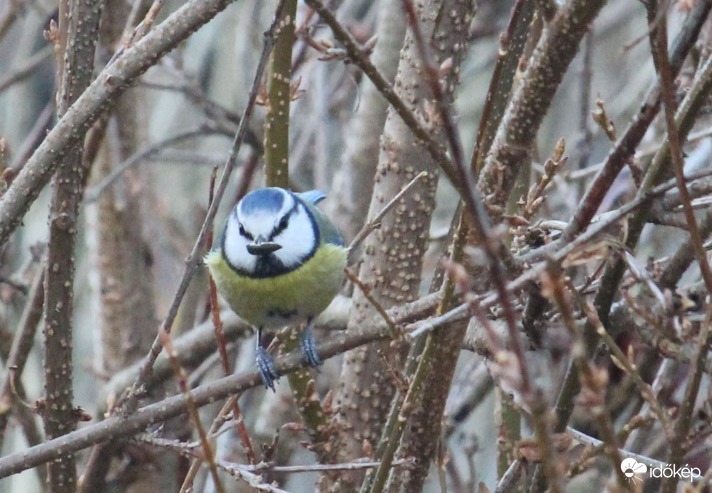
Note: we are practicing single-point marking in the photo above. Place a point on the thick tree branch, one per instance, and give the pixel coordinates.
(80, 24)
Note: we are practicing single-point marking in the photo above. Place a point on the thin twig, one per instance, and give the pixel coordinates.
(511, 47)
(43, 122)
(584, 460)
(222, 341)
(375, 221)
(181, 378)
(366, 290)
(349, 466)
(594, 442)
(188, 449)
(221, 417)
(510, 478)
(27, 68)
(22, 343)
(93, 193)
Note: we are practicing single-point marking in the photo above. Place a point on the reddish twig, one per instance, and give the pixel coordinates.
(222, 343)
(682, 424)
(182, 381)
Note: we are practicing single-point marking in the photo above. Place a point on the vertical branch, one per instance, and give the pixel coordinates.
(277, 175)
(279, 96)
(394, 253)
(512, 43)
(78, 25)
(422, 410)
(511, 47)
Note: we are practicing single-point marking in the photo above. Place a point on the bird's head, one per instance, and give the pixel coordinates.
(269, 232)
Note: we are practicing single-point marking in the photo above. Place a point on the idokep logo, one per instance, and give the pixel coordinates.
(631, 467)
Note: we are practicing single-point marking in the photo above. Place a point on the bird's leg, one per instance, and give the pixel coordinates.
(308, 346)
(265, 363)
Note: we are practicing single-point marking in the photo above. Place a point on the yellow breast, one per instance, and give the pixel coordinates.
(278, 301)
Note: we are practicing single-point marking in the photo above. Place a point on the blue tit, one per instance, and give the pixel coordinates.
(279, 261)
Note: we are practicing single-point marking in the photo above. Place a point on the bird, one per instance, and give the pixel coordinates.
(279, 261)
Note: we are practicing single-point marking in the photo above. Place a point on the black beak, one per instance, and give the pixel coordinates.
(262, 248)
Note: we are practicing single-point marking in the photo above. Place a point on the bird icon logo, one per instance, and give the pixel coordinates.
(631, 467)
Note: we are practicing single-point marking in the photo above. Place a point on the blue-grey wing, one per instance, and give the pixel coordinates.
(312, 196)
(329, 233)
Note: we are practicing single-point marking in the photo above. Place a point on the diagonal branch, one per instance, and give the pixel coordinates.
(102, 93)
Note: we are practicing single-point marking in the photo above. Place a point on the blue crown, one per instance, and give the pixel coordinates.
(264, 199)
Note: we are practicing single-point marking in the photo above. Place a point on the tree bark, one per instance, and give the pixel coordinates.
(78, 27)
(393, 254)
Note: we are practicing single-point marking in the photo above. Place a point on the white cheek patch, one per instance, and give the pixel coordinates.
(235, 247)
(298, 239)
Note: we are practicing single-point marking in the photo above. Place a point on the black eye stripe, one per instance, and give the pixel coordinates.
(244, 233)
(284, 222)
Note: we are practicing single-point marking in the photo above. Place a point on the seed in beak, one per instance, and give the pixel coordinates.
(263, 248)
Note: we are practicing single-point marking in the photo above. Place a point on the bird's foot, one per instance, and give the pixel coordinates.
(308, 346)
(265, 365)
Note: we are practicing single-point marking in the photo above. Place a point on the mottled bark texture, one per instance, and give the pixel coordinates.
(393, 254)
(532, 99)
(422, 434)
(78, 27)
(353, 183)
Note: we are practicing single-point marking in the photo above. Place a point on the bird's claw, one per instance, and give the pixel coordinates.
(307, 344)
(265, 365)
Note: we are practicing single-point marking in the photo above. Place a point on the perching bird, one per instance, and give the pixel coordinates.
(278, 262)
